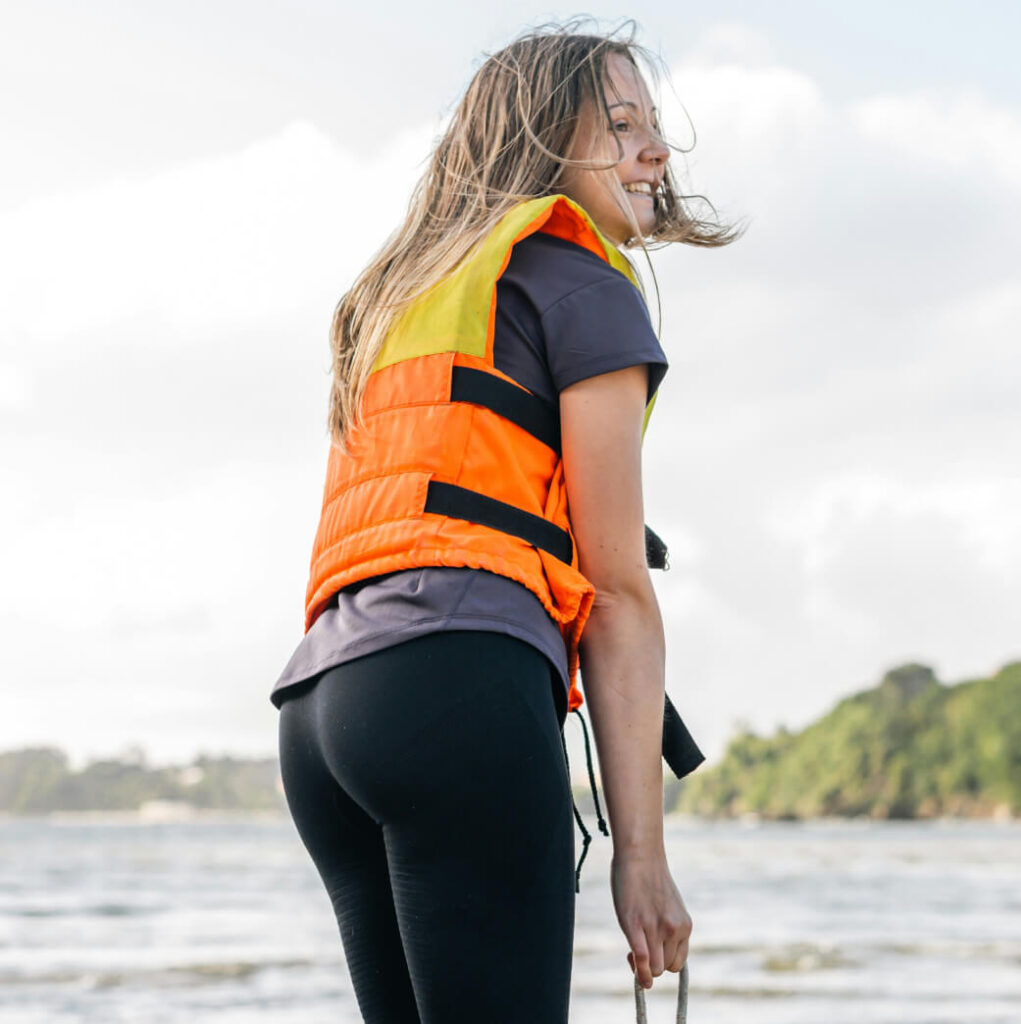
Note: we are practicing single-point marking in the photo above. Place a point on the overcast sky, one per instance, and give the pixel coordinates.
(188, 189)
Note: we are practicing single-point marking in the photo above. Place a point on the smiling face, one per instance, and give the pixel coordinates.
(631, 138)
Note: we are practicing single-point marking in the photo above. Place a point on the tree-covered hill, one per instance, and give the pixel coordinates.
(909, 748)
(37, 780)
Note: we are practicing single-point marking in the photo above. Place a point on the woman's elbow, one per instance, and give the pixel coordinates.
(623, 594)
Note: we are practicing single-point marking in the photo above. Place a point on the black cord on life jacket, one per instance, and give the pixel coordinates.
(600, 820)
(586, 836)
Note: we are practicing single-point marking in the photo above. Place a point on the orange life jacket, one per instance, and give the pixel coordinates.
(457, 464)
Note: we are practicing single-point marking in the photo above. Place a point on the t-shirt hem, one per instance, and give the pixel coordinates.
(392, 637)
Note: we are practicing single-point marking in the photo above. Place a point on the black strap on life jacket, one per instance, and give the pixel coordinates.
(462, 503)
(531, 413)
(539, 418)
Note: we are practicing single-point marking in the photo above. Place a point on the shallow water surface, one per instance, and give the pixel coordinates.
(227, 921)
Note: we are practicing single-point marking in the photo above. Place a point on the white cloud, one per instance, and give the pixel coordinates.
(984, 514)
(750, 122)
(732, 42)
(752, 105)
(833, 459)
(962, 131)
(205, 246)
(17, 390)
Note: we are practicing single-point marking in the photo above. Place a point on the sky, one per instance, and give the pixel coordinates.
(834, 456)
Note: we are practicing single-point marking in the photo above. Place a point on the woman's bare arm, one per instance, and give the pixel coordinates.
(622, 655)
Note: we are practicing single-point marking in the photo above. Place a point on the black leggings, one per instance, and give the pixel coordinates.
(428, 783)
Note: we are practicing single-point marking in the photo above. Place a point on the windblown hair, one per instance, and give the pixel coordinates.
(506, 143)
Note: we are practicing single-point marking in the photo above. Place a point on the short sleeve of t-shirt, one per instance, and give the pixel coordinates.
(563, 314)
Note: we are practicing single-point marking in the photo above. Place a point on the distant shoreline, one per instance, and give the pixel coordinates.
(196, 815)
(212, 816)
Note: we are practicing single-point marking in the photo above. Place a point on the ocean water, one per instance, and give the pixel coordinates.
(227, 921)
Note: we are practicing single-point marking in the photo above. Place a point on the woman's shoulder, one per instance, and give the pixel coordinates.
(549, 269)
(586, 317)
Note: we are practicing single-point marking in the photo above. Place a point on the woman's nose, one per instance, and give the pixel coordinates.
(655, 150)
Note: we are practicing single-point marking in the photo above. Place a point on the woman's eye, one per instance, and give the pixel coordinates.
(621, 126)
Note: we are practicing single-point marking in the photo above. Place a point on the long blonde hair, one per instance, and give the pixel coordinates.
(505, 144)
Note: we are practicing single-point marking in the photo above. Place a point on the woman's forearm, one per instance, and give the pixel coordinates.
(622, 662)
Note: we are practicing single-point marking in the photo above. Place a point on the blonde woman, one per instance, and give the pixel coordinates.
(481, 537)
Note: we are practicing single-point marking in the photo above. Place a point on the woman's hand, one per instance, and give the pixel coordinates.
(651, 913)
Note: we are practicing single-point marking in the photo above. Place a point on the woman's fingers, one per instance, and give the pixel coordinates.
(656, 951)
(675, 948)
(680, 956)
(652, 954)
(655, 958)
(638, 958)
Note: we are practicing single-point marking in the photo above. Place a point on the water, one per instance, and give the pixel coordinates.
(828, 923)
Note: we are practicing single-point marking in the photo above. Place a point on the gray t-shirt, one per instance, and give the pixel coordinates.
(562, 315)
(387, 610)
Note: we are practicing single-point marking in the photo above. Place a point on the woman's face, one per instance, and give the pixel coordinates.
(637, 176)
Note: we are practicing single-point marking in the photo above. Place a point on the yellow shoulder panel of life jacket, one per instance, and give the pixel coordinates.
(455, 315)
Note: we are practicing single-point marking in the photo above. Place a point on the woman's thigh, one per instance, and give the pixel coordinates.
(451, 744)
(347, 848)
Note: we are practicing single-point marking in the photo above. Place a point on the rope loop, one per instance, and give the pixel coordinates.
(641, 1017)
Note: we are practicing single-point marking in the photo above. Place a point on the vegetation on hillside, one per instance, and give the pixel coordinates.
(37, 780)
(909, 748)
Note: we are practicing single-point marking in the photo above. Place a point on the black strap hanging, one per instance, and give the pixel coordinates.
(600, 820)
(586, 836)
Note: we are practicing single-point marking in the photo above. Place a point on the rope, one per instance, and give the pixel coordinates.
(682, 999)
(600, 820)
(586, 836)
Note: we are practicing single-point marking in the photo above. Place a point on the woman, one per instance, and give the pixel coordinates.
(482, 534)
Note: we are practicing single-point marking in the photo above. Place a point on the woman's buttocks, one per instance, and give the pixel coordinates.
(441, 713)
